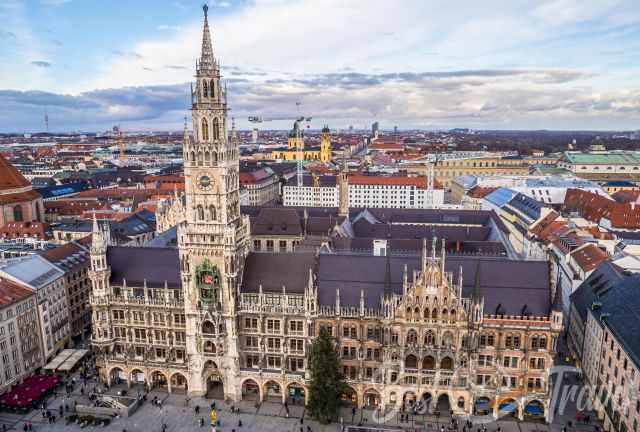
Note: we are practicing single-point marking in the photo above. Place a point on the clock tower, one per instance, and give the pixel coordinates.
(213, 238)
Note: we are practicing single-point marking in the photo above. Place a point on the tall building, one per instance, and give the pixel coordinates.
(212, 318)
(20, 349)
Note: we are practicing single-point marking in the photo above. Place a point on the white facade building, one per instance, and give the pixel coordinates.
(48, 281)
(366, 191)
(19, 339)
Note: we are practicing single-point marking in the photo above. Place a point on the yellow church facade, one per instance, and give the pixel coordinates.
(295, 142)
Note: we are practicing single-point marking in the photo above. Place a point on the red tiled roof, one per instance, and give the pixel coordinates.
(118, 193)
(624, 196)
(386, 146)
(73, 207)
(589, 257)
(594, 207)
(544, 223)
(481, 192)
(20, 229)
(58, 254)
(19, 197)
(10, 177)
(254, 176)
(11, 292)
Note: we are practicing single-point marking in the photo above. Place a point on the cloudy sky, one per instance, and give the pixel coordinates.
(545, 64)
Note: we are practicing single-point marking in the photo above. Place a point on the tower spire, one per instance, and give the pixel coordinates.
(207, 61)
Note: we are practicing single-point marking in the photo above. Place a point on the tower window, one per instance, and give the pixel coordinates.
(216, 132)
(200, 211)
(212, 213)
(205, 129)
(205, 89)
(213, 87)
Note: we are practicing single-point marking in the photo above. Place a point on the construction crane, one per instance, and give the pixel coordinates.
(297, 126)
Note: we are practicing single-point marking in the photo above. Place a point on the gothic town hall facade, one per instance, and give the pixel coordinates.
(211, 317)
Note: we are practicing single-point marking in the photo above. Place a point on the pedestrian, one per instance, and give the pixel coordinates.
(239, 423)
(197, 409)
(201, 422)
(25, 427)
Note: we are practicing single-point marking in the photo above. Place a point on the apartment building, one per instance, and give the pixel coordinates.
(20, 349)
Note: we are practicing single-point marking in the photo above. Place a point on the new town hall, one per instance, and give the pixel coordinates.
(458, 322)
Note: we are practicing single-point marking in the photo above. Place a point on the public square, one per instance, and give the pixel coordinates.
(177, 411)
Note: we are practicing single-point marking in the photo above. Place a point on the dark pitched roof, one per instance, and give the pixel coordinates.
(135, 264)
(603, 278)
(276, 221)
(364, 229)
(620, 312)
(504, 283)
(272, 271)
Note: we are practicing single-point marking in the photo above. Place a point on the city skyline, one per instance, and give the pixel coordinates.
(549, 65)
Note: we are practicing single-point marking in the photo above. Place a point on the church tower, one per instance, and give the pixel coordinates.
(213, 238)
(325, 144)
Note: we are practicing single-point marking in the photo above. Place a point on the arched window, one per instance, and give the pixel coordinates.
(446, 363)
(208, 327)
(426, 313)
(411, 362)
(17, 213)
(206, 158)
(38, 215)
(212, 213)
(205, 89)
(213, 89)
(429, 338)
(429, 363)
(205, 130)
(216, 131)
(200, 213)
(199, 159)
(209, 347)
(434, 314)
(193, 156)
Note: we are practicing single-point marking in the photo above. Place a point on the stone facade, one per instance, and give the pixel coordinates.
(231, 324)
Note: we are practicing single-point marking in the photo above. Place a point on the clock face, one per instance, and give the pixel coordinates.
(204, 182)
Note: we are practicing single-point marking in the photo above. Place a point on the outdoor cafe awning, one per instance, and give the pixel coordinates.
(66, 360)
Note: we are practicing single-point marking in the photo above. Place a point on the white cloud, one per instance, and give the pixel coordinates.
(334, 55)
(166, 27)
